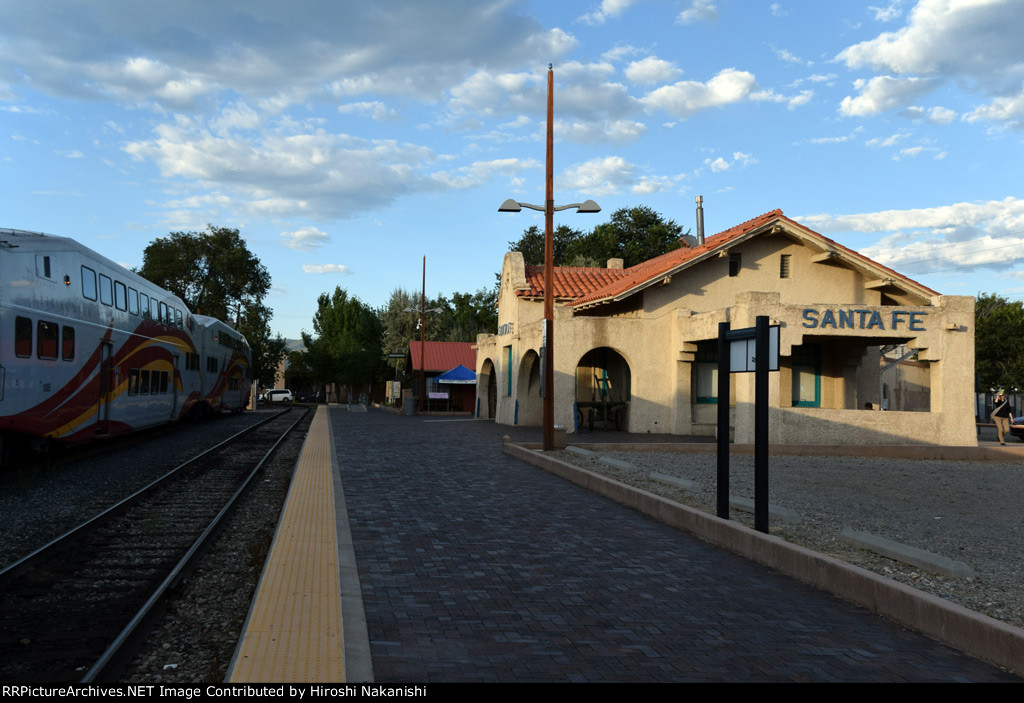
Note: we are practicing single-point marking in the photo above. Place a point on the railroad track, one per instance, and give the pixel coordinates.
(76, 609)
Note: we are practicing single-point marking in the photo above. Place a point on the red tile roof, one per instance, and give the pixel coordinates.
(646, 272)
(443, 356)
(570, 282)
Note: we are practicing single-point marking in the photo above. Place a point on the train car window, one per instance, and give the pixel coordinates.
(163, 381)
(88, 283)
(67, 343)
(133, 382)
(178, 318)
(106, 290)
(46, 339)
(22, 337)
(211, 364)
(162, 314)
(154, 309)
(133, 301)
(120, 296)
(43, 266)
(144, 382)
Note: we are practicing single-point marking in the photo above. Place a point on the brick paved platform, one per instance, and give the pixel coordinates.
(477, 567)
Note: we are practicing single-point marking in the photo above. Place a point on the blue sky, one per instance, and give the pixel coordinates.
(348, 140)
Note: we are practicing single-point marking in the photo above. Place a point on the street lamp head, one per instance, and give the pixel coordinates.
(589, 206)
(510, 205)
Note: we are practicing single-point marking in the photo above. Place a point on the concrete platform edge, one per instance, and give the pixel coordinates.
(972, 633)
(979, 453)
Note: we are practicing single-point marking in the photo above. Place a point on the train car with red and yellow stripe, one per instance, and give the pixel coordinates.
(90, 349)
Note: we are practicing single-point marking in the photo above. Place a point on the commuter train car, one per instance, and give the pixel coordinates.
(89, 349)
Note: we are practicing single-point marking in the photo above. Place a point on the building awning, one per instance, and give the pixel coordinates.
(460, 374)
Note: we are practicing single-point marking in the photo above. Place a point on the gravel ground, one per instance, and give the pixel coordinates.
(196, 638)
(41, 504)
(970, 512)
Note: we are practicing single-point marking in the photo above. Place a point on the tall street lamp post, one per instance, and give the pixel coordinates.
(423, 335)
(549, 209)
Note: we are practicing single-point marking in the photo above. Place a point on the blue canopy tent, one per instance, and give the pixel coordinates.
(460, 374)
(464, 392)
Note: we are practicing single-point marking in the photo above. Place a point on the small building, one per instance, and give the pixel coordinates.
(637, 347)
(438, 359)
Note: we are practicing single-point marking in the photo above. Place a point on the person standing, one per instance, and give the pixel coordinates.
(1001, 415)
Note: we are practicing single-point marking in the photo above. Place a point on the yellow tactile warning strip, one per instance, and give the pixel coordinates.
(294, 629)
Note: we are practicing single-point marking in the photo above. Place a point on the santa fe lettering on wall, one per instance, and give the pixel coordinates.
(864, 319)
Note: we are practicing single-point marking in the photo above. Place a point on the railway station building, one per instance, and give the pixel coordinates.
(866, 355)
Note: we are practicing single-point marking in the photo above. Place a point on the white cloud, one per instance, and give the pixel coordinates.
(482, 171)
(614, 131)
(802, 99)
(776, 10)
(1008, 110)
(375, 110)
(789, 57)
(883, 93)
(836, 140)
(962, 235)
(296, 172)
(934, 115)
(597, 177)
(886, 14)
(180, 54)
(699, 11)
(891, 140)
(325, 268)
(652, 70)
(646, 185)
(718, 165)
(305, 239)
(979, 39)
(73, 154)
(687, 97)
(607, 9)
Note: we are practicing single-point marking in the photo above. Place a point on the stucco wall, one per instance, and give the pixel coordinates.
(844, 311)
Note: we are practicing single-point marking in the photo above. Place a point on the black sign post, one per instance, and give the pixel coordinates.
(734, 347)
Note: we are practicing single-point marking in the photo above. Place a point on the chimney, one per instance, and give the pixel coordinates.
(700, 220)
(615, 263)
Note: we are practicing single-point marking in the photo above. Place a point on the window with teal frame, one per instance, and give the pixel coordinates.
(806, 362)
(508, 370)
(706, 372)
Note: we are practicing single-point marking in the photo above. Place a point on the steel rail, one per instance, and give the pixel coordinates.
(120, 651)
(57, 544)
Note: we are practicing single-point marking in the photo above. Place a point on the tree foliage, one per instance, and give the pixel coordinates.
(347, 347)
(631, 234)
(998, 342)
(216, 275)
(213, 271)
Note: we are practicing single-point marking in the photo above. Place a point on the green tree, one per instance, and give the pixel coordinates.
(632, 234)
(216, 275)
(347, 347)
(998, 342)
(566, 242)
(267, 350)
(213, 271)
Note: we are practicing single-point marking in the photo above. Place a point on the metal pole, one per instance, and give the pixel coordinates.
(723, 421)
(423, 335)
(761, 424)
(549, 313)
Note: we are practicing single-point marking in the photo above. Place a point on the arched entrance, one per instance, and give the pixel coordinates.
(603, 382)
(487, 390)
(531, 407)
